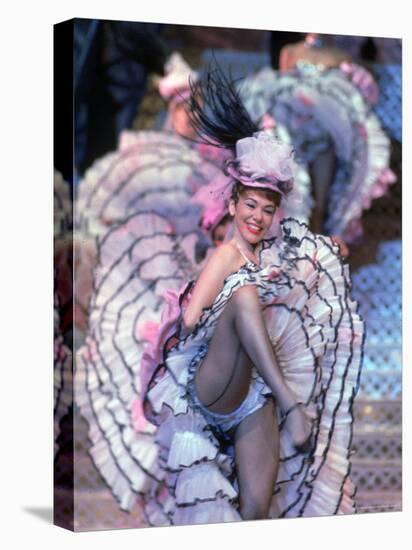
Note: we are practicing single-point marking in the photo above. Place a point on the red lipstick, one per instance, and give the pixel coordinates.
(253, 231)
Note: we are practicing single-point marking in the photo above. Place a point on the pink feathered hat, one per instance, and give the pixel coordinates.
(175, 85)
(263, 161)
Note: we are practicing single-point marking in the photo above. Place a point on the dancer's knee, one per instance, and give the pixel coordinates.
(246, 299)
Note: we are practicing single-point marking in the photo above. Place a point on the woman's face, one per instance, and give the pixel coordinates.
(253, 215)
(219, 233)
(181, 120)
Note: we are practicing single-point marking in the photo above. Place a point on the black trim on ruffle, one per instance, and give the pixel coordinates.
(118, 426)
(218, 495)
(283, 94)
(167, 148)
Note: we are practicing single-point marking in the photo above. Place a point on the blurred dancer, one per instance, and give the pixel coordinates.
(139, 193)
(314, 48)
(279, 39)
(150, 170)
(325, 101)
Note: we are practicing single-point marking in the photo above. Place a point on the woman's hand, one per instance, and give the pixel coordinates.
(298, 424)
(343, 248)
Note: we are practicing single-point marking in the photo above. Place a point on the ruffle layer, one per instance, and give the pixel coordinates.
(127, 462)
(156, 171)
(150, 171)
(137, 262)
(195, 485)
(317, 336)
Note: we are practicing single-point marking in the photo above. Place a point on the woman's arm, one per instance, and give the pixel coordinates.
(225, 260)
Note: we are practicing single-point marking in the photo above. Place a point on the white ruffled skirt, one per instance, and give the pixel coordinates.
(317, 336)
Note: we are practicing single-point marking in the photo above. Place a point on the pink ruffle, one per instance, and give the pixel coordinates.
(363, 80)
(176, 82)
(138, 417)
(159, 335)
(354, 230)
(268, 122)
(213, 198)
(385, 179)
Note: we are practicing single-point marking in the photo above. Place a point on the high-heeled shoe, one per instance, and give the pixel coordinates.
(308, 444)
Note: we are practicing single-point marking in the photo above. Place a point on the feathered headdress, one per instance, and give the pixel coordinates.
(220, 119)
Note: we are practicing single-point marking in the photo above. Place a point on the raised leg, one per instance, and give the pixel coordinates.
(321, 170)
(250, 326)
(224, 376)
(257, 460)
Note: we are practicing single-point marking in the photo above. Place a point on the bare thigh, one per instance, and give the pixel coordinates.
(223, 378)
(257, 460)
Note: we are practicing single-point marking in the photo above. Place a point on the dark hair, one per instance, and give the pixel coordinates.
(223, 221)
(216, 111)
(368, 50)
(279, 39)
(239, 188)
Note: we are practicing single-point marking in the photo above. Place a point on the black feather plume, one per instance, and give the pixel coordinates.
(216, 111)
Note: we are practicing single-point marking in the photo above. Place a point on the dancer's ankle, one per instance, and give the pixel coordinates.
(286, 400)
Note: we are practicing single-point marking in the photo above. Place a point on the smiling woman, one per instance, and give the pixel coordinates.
(256, 207)
(252, 211)
(250, 382)
(222, 383)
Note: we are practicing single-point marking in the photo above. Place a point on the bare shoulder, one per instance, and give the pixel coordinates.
(225, 257)
(225, 260)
